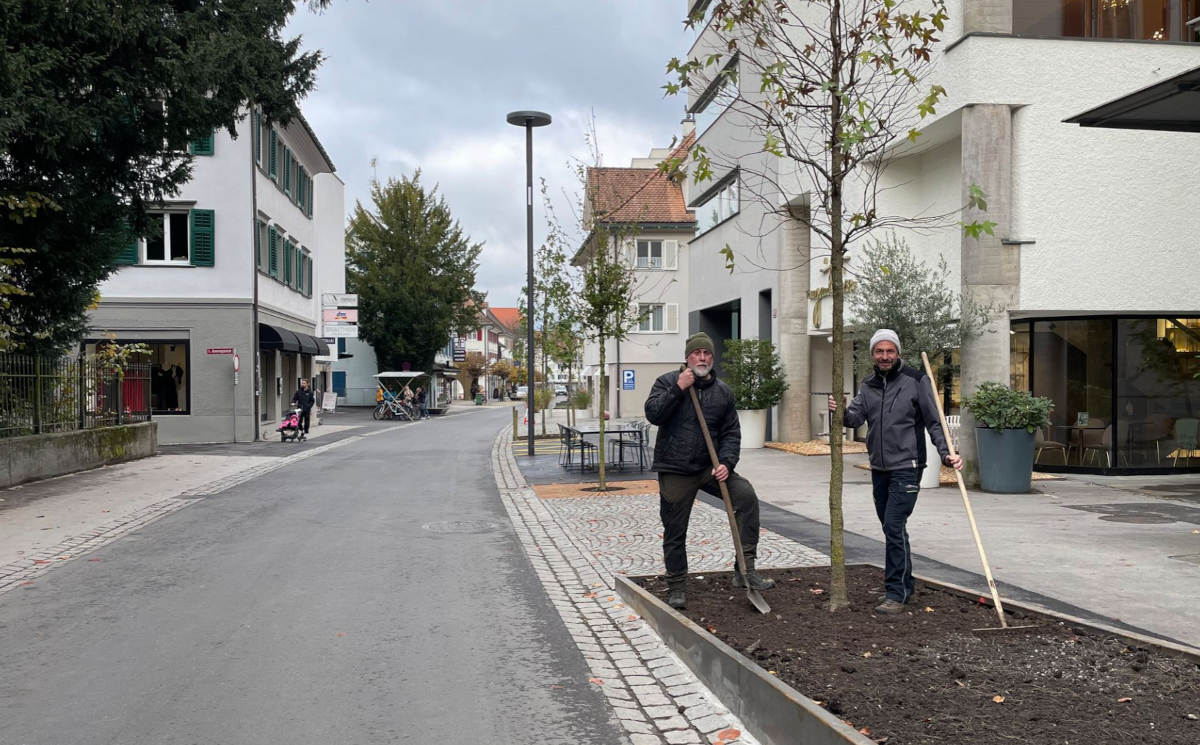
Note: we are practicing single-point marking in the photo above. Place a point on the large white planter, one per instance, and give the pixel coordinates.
(754, 427)
(932, 477)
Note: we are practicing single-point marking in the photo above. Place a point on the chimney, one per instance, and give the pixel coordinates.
(688, 125)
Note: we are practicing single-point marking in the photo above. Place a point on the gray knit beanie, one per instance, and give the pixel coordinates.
(886, 335)
(699, 340)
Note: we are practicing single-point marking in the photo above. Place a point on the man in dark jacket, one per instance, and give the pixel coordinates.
(303, 399)
(684, 467)
(896, 403)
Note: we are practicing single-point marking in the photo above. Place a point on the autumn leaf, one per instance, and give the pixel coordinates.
(867, 655)
(817, 591)
(998, 699)
(589, 594)
(865, 731)
(597, 681)
(728, 734)
(1124, 700)
(928, 609)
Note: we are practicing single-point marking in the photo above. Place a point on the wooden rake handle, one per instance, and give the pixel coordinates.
(987, 571)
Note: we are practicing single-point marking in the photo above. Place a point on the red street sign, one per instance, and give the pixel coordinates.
(220, 350)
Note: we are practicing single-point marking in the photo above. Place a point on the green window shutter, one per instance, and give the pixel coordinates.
(301, 185)
(287, 263)
(273, 249)
(258, 264)
(203, 228)
(128, 256)
(308, 287)
(310, 201)
(287, 171)
(256, 136)
(273, 155)
(203, 146)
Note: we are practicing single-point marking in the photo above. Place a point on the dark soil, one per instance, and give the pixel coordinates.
(924, 676)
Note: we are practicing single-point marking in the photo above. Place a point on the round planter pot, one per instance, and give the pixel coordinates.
(1005, 459)
(754, 427)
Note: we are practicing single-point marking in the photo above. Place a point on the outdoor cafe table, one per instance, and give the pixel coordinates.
(613, 430)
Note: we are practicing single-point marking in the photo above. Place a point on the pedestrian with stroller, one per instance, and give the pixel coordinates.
(683, 465)
(303, 399)
(896, 403)
(422, 404)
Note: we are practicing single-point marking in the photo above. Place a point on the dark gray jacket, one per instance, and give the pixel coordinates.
(896, 406)
(679, 447)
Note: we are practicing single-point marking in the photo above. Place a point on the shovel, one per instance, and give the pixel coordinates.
(987, 571)
(754, 596)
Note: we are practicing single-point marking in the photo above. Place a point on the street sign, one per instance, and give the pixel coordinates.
(338, 300)
(341, 330)
(340, 315)
(220, 350)
(627, 379)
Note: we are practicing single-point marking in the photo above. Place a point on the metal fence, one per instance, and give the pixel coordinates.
(39, 395)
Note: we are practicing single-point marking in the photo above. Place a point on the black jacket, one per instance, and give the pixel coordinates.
(304, 399)
(680, 446)
(896, 406)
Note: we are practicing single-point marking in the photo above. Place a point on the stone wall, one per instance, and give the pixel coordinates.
(42, 456)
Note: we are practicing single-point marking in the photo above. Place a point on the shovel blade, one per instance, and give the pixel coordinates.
(756, 599)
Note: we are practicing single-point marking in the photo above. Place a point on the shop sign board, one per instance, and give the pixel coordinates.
(339, 300)
(341, 330)
(340, 315)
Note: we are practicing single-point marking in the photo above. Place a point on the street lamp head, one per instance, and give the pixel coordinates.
(528, 118)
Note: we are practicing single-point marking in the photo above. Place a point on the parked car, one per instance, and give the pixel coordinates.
(520, 394)
(560, 390)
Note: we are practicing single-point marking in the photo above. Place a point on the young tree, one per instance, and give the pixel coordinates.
(414, 272)
(504, 370)
(98, 104)
(896, 290)
(839, 83)
(469, 371)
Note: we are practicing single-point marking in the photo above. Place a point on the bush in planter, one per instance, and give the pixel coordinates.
(1004, 436)
(582, 399)
(751, 368)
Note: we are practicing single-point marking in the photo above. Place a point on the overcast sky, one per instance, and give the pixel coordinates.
(427, 83)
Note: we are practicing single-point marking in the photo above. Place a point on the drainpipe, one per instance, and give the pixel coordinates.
(254, 282)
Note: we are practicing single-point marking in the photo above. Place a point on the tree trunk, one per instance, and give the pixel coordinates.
(600, 410)
(837, 555)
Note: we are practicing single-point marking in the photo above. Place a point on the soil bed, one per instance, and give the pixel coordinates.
(925, 677)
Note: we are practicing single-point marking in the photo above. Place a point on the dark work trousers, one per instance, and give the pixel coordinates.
(895, 497)
(677, 494)
(304, 416)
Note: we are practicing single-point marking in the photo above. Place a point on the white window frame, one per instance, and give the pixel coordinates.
(144, 244)
(646, 324)
(725, 201)
(649, 261)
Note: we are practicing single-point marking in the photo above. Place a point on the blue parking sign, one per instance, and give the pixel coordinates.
(627, 379)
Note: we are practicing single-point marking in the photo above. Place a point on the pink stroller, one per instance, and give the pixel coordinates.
(290, 427)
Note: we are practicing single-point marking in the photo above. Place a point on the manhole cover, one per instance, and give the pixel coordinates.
(461, 526)
(1189, 558)
(1140, 519)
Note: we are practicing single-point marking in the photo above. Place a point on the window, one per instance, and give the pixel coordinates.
(720, 93)
(658, 317)
(288, 171)
(273, 241)
(1151, 20)
(719, 205)
(649, 254)
(168, 244)
(261, 246)
(169, 374)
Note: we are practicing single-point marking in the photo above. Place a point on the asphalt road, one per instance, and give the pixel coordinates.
(372, 594)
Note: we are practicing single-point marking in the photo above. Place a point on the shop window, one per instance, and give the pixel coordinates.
(169, 373)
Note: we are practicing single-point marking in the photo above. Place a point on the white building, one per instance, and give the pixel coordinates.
(243, 255)
(1091, 258)
(640, 213)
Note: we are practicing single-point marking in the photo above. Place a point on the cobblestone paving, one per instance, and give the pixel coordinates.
(575, 546)
(23, 573)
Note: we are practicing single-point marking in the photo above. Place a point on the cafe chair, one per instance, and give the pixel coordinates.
(1041, 445)
(1186, 436)
(631, 441)
(953, 424)
(1103, 445)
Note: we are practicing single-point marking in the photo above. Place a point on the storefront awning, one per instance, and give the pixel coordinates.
(276, 338)
(1170, 106)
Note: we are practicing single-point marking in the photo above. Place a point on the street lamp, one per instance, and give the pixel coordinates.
(529, 120)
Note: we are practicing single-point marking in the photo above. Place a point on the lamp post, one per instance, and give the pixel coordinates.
(529, 120)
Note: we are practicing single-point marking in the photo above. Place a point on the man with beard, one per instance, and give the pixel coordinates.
(684, 467)
(896, 404)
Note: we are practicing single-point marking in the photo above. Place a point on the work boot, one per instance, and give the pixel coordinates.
(757, 581)
(889, 607)
(677, 591)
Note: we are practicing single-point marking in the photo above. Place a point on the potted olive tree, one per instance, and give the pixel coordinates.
(1007, 421)
(751, 368)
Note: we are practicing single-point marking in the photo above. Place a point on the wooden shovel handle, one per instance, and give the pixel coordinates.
(962, 488)
(712, 454)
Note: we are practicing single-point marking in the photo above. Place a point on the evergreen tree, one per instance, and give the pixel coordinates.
(414, 272)
(98, 103)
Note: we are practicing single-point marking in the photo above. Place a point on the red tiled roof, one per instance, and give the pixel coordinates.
(510, 317)
(638, 195)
